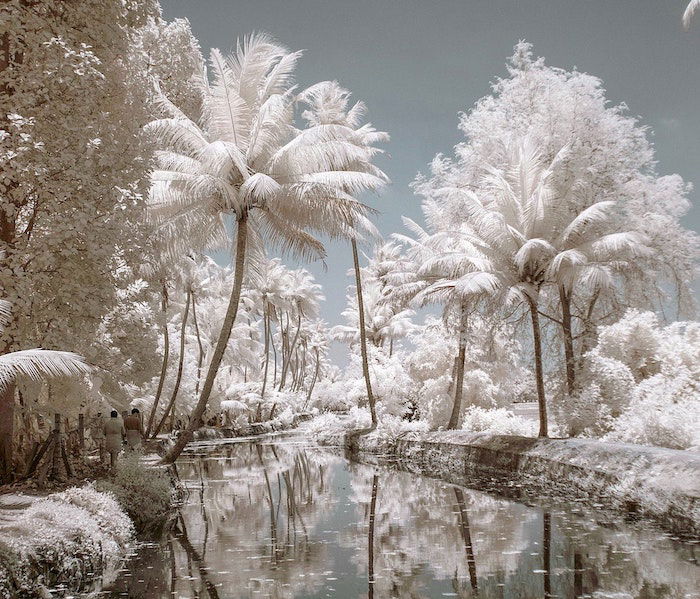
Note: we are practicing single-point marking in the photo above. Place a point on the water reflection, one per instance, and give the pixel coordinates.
(285, 521)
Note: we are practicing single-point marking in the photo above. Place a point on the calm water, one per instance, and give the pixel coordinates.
(284, 520)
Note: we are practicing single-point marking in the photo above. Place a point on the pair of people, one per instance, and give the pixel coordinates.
(116, 431)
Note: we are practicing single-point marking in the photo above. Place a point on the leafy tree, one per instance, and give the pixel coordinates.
(328, 107)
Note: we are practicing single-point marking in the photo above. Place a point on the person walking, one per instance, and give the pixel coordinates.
(98, 434)
(114, 435)
(134, 429)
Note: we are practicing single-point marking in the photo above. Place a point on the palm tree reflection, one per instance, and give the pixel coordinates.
(467, 539)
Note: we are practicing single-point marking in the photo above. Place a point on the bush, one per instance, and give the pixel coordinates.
(640, 384)
(67, 538)
(499, 421)
(145, 493)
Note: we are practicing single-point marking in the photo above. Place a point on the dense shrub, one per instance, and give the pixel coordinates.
(640, 384)
(66, 539)
(498, 420)
(145, 493)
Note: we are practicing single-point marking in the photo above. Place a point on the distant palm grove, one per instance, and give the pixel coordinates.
(551, 265)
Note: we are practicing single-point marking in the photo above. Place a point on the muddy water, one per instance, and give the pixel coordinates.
(284, 520)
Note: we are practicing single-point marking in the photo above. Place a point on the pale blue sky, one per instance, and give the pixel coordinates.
(417, 63)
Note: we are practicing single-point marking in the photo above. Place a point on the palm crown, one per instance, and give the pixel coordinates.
(245, 157)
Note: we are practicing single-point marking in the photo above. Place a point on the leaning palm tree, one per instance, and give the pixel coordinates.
(690, 11)
(245, 161)
(328, 107)
(36, 364)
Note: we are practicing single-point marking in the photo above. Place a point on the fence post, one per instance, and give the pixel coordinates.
(81, 431)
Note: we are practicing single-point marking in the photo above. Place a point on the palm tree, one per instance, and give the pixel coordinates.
(186, 277)
(518, 236)
(36, 364)
(244, 160)
(690, 10)
(328, 107)
(439, 272)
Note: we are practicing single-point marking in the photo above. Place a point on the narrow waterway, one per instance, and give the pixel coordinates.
(285, 520)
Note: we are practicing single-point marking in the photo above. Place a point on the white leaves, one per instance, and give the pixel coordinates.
(598, 213)
(40, 363)
(259, 187)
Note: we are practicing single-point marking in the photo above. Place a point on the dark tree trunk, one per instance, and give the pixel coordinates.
(200, 357)
(266, 328)
(181, 359)
(565, 301)
(218, 355)
(539, 371)
(459, 379)
(363, 334)
(166, 355)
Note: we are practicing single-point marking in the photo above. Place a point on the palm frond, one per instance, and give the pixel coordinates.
(38, 364)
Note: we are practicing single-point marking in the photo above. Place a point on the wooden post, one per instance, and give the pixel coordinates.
(81, 432)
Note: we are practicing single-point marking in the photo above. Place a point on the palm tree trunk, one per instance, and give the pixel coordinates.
(539, 373)
(313, 380)
(224, 336)
(565, 301)
(363, 333)
(266, 327)
(166, 355)
(171, 404)
(290, 352)
(459, 378)
(200, 357)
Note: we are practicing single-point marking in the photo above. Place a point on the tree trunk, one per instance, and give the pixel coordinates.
(363, 334)
(313, 380)
(181, 359)
(459, 379)
(224, 336)
(166, 355)
(200, 357)
(539, 373)
(565, 301)
(290, 352)
(7, 422)
(266, 328)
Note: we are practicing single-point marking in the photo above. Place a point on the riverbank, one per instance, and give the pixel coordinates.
(75, 539)
(659, 484)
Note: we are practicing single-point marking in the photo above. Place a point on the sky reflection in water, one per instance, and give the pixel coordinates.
(286, 521)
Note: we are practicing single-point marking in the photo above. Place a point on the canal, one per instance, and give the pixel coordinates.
(287, 520)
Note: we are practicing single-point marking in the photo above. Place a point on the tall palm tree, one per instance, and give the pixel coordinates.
(36, 364)
(186, 281)
(246, 161)
(329, 107)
